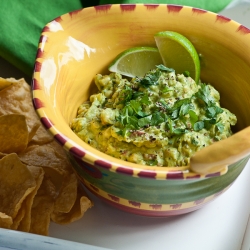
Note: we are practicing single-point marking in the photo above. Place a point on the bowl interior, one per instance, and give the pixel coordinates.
(77, 45)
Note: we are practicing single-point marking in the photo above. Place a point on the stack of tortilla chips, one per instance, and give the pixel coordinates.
(37, 183)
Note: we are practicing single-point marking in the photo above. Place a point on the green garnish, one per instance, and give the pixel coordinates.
(186, 73)
(140, 112)
(193, 116)
(203, 95)
(150, 79)
(198, 125)
(164, 68)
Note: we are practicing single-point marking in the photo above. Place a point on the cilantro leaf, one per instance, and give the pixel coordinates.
(184, 109)
(125, 132)
(157, 118)
(213, 111)
(180, 102)
(169, 125)
(152, 162)
(165, 105)
(126, 112)
(179, 131)
(150, 79)
(144, 121)
(203, 95)
(175, 110)
(220, 126)
(175, 114)
(193, 116)
(145, 100)
(167, 89)
(164, 68)
(186, 73)
(207, 124)
(133, 121)
(194, 142)
(126, 95)
(198, 125)
(136, 94)
(136, 106)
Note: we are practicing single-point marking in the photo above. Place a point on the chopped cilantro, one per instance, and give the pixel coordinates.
(164, 68)
(145, 100)
(167, 89)
(144, 121)
(213, 111)
(175, 114)
(140, 111)
(125, 131)
(126, 94)
(220, 127)
(203, 95)
(126, 112)
(169, 125)
(136, 106)
(133, 121)
(180, 102)
(179, 131)
(207, 124)
(150, 79)
(194, 142)
(152, 162)
(165, 105)
(193, 116)
(184, 109)
(158, 118)
(198, 125)
(186, 73)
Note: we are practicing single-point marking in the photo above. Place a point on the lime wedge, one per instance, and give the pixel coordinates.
(179, 53)
(136, 61)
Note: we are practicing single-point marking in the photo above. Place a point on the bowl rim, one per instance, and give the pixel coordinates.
(78, 151)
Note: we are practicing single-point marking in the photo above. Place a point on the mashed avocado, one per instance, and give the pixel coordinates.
(161, 119)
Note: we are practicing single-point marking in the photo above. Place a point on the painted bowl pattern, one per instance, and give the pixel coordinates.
(77, 45)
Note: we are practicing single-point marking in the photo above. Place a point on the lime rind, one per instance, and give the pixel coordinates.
(169, 43)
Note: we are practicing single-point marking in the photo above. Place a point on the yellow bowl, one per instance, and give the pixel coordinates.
(77, 45)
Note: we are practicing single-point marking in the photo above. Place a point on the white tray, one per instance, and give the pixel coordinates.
(220, 225)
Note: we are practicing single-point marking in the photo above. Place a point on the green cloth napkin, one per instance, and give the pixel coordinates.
(21, 23)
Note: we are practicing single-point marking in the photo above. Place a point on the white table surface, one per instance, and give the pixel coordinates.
(220, 225)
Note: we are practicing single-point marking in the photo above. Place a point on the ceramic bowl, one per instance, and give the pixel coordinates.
(77, 45)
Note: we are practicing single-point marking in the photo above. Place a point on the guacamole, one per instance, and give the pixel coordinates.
(161, 119)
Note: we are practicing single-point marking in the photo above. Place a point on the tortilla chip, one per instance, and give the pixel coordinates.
(33, 130)
(42, 208)
(16, 99)
(2, 155)
(16, 183)
(5, 221)
(82, 204)
(18, 218)
(67, 196)
(42, 156)
(13, 133)
(55, 176)
(38, 175)
(37, 182)
(42, 136)
(4, 83)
